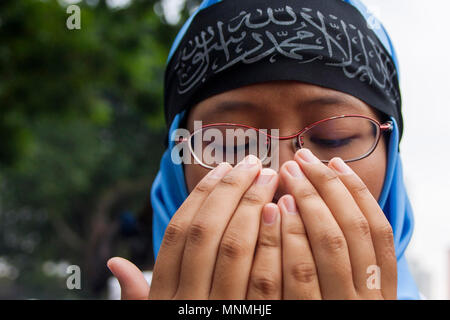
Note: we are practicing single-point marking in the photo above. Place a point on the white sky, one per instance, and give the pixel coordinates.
(419, 30)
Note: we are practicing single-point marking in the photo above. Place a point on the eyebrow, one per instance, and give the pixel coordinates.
(324, 101)
(232, 105)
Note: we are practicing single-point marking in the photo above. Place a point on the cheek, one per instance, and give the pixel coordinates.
(372, 169)
(193, 173)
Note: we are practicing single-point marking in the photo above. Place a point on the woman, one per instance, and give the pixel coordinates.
(331, 219)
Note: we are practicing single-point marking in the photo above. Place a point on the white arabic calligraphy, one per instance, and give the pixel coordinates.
(243, 40)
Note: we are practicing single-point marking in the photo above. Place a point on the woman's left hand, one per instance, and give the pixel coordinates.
(337, 242)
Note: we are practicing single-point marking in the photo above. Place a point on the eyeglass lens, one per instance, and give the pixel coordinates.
(350, 138)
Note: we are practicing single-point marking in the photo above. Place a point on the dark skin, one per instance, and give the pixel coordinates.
(308, 231)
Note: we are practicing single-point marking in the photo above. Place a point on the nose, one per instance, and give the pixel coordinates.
(286, 153)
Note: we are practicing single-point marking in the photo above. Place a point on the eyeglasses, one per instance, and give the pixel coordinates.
(350, 137)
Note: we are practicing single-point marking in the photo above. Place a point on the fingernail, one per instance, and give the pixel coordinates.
(294, 170)
(108, 264)
(265, 176)
(248, 162)
(219, 171)
(307, 156)
(270, 213)
(341, 166)
(289, 205)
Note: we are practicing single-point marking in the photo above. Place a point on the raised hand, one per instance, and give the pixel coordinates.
(208, 248)
(333, 232)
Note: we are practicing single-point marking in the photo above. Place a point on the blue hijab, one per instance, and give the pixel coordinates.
(169, 187)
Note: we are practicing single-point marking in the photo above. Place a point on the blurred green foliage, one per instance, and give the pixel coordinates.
(81, 135)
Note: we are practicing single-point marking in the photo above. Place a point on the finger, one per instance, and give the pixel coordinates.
(133, 285)
(236, 251)
(326, 239)
(207, 227)
(168, 263)
(266, 276)
(300, 280)
(380, 228)
(347, 214)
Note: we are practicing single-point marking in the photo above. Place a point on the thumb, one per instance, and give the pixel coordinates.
(132, 282)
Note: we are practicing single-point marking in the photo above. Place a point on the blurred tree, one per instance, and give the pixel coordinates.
(81, 134)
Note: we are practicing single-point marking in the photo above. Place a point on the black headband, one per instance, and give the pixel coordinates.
(240, 42)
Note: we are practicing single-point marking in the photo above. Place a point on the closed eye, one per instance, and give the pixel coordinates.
(332, 143)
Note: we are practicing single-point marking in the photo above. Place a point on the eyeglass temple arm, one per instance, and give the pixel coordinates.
(388, 126)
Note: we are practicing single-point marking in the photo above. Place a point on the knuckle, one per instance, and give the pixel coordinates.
(265, 284)
(305, 192)
(197, 233)
(203, 187)
(388, 253)
(252, 199)
(332, 243)
(269, 241)
(233, 248)
(386, 234)
(361, 225)
(296, 229)
(360, 190)
(304, 272)
(174, 234)
(328, 176)
(230, 181)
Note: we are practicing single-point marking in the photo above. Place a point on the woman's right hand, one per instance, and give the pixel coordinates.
(223, 242)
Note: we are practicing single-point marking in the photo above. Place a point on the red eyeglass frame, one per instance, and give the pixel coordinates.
(385, 127)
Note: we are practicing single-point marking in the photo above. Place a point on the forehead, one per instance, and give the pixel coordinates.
(272, 100)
